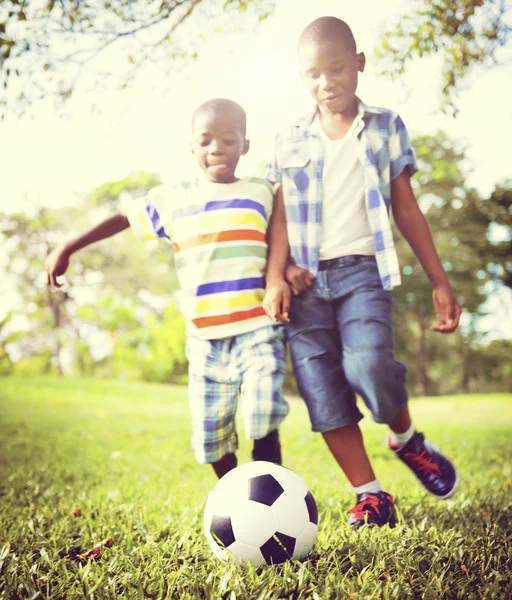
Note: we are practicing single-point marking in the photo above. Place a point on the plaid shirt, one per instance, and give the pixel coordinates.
(384, 151)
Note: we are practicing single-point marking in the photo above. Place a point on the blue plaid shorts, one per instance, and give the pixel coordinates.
(249, 366)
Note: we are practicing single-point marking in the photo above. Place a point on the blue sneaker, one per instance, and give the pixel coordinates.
(434, 470)
(373, 508)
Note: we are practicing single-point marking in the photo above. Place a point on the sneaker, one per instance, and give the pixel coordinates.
(434, 470)
(373, 508)
(268, 448)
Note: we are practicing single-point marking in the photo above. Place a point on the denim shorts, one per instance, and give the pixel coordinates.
(341, 342)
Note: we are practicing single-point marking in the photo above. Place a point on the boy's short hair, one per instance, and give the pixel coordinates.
(327, 28)
(225, 106)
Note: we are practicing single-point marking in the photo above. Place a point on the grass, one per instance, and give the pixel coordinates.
(120, 452)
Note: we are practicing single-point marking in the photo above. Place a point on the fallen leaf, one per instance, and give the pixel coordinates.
(95, 551)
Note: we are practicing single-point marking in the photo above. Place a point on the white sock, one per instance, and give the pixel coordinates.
(370, 487)
(397, 440)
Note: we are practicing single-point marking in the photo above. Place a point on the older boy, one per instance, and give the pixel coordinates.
(218, 231)
(342, 167)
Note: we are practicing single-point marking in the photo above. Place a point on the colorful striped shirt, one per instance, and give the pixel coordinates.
(384, 151)
(218, 234)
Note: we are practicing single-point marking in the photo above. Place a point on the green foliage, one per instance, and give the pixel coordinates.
(495, 214)
(146, 344)
(67, 42)
(165, 359)
(40, 364)
(108, 283)
(491, 365)
(137, 184)
(27, 238)
(463, 33)
(121, 454)
(461, 223)
(447, 203)
(154, 351)
(289, 383)
(6, 365)
(113, 312)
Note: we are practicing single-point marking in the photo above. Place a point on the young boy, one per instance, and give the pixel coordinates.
(342, 167)
(218, 231)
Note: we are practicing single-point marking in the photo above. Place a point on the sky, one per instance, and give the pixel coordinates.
(53, 160)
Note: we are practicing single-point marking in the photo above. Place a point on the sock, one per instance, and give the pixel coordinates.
(371, 487)
(397, 440)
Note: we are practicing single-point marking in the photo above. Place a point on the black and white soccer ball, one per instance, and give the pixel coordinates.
(261, 512)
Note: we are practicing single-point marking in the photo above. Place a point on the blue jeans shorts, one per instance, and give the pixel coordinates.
(245, 369)
(341, 342)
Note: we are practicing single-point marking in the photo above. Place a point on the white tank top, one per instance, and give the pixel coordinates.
(345, 226)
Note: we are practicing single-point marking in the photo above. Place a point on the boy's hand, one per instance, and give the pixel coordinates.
(56, 264)
(298, 279)
(447, 309)
(277, 302)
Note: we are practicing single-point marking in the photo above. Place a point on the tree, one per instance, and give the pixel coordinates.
(492, 369)
(461, 241)
(25, 240)
(50, 47)
(496, 215)
(463, 33)
(121, 263)
(143, 342)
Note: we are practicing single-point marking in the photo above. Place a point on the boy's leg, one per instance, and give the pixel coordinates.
(347, 446)
(227, 463)
(213, 400)
(268, 448)
(402, 423)
(365, 320)
(261, 363)
(317, 361)
(373, 505)
(434, 470)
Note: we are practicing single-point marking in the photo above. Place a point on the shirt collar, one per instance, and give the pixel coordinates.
(363, 109)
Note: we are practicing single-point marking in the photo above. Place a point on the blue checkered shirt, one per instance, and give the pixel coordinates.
(384, 151)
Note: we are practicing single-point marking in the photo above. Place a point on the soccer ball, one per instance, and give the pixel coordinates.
(261, 512)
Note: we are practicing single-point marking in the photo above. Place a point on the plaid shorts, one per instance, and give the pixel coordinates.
(250, 366)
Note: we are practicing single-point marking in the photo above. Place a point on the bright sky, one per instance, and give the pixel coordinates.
(49, 160)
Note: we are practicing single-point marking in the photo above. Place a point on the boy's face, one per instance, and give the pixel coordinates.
(329, 69)
(218, 144)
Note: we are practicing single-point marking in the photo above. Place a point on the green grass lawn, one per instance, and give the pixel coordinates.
(120, 452)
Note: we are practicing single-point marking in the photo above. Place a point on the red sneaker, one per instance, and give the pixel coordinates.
(373, 509)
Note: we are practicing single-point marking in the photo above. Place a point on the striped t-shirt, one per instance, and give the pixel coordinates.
(218, 233)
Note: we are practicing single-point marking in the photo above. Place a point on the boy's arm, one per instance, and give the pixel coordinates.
(298, 279)
(58, 260)
(277, 294)
(414, 227)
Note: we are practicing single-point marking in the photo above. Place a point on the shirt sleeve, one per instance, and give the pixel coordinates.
(271, 170)
(401, 154)
(270, 198)
(149, 216)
